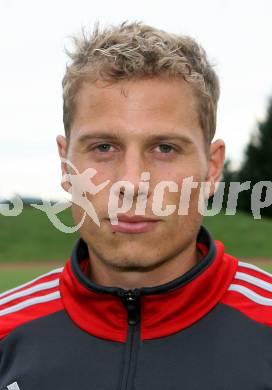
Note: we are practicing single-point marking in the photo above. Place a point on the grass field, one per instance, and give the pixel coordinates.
(242, 235)
(31, 237)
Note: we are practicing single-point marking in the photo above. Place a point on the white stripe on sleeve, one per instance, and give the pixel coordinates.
(30, 302)
(254, 268)
(250, 294)
(29, 291)
(254, 281)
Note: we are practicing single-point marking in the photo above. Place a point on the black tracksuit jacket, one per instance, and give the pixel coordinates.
(209, 329)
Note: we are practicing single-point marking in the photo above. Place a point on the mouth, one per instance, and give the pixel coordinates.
(134, 225)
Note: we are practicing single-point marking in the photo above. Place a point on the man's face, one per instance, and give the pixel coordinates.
(157, 130)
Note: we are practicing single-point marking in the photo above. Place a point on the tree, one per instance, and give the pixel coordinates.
(257, 162)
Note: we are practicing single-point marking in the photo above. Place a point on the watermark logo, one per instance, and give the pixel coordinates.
(122, 198)
(80, 185)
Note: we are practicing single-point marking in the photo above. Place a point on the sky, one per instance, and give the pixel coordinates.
(33, 35)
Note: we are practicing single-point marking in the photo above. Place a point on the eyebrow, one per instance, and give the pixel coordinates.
(114, 137)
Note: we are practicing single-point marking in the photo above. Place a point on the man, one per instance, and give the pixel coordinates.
(148, 300)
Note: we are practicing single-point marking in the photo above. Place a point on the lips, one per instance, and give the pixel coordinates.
(134, 218)
(134, 224)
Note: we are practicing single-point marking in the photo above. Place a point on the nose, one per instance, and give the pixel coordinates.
(131, 169)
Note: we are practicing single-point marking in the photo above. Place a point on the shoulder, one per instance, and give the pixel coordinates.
(32, 300)
(251, 293)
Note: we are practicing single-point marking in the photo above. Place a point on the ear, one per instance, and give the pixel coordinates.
(62, 149)
(216, 164)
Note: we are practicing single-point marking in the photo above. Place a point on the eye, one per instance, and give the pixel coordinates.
(102, 148)
(165, 148)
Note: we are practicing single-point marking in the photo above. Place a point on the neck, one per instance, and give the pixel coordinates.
(173, 268)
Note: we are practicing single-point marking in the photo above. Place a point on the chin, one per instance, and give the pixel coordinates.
(134, 266)
(127, 263)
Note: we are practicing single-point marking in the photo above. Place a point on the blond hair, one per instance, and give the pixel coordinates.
(135, 50)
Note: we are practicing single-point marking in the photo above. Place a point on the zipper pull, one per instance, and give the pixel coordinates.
(130, 299)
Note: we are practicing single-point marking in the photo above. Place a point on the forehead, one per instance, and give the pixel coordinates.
(140, 107)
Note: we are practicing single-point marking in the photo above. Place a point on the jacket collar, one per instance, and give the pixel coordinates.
(164, 309)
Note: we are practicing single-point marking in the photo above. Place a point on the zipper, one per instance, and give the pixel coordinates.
(131, 300)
